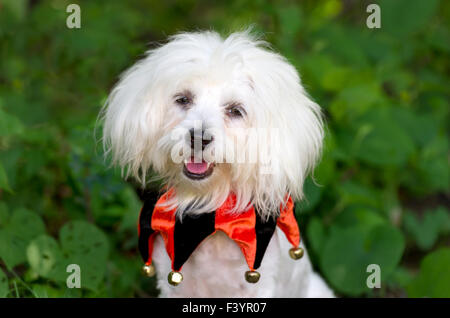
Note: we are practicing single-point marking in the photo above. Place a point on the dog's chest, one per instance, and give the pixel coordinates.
(215, 269)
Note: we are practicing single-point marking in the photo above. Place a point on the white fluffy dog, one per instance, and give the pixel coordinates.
(219, 92)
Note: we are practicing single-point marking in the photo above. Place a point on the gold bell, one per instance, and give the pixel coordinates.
(252, 276)
(175, 278)
(296, 253)
(148, 270)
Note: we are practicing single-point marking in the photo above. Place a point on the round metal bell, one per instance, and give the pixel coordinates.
(148, 270)
(296, 253)
(252, 276)
(175, 278)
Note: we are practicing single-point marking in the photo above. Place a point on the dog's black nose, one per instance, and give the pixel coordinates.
(200, 137)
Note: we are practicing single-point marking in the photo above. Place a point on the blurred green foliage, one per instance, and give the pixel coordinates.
(381, 191)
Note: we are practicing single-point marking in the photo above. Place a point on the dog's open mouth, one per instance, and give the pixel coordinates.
(197, 170)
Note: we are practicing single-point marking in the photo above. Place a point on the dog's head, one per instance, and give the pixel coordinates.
(213, 116)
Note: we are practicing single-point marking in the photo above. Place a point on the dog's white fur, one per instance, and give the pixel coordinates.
(141, 115)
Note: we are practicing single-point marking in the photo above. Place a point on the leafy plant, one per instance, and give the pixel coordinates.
(434, 277)
(380, 194)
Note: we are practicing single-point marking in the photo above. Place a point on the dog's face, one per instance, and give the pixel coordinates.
(212, 116)
(205, 114)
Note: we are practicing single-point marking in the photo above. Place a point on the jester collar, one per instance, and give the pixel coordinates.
(181, 238)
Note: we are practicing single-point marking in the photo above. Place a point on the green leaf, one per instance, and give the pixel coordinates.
(11, 249)
(410, 121)
(434, 277)
(22, 227)
(26, 224)
(4, 179)
(81, 243)
(433, 165)
(316, 66)
(360, 217)
(340, 43)
(45, 257)
(9, 124)
(131, 212)
(356, 193)
(316, 234)
(291, 19)
(325, 173)
(4, 215)
(400, 277)
(17, 7)
(46, 291)
(85, 245)
(312, 196)
(380, 141)
(404, 17)
(349, 251)
(4, 287)
(355, 100)
(336, 78)
(427, 229)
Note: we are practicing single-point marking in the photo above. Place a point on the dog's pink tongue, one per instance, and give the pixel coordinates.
(197, 168)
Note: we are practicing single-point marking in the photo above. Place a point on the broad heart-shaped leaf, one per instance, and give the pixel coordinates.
(4, 288)
(12, 249)
(434, 277)
(348, 252)
(26, 224)
(21, 228)
(45, 257)
(380, 140)
(85, 245)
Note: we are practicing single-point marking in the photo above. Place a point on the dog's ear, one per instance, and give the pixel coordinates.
(296, 122)
(132, 118)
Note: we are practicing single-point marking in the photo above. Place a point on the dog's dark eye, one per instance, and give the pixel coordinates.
(183, 100)
(235, 111)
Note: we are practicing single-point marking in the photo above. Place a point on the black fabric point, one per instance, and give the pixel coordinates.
(264, 231)
(145, 226)
(189, 233)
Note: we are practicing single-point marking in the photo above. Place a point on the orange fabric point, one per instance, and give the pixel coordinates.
(163, 222)
(239, 227)
(288, 224)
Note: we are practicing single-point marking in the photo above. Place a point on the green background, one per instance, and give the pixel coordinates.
(382, 188)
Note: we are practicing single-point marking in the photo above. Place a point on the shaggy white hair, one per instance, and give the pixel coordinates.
(246, 101)
(141, 116)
